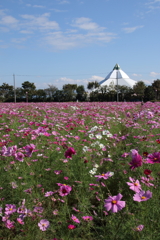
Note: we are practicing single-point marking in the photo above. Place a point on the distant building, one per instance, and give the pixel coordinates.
(117, 77)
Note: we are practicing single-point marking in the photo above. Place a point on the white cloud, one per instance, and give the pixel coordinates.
(86, 24)
(154, 74)
(41, 22)
(18, 40)
(131, 29)
(75, 37)
(136, 75)
(63, 2)
(38, 6)
(67, 40)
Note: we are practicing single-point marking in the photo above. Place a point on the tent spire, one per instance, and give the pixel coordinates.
(116, 67)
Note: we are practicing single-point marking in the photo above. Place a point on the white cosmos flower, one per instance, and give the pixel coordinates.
(98, 136)
(85, 149)
(96, 166)
(105, 132)
(101, 145)
(91, 135)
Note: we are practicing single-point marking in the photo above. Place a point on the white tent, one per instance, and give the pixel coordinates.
(117, 77)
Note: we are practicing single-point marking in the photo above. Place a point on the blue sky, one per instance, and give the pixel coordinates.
(77, 41)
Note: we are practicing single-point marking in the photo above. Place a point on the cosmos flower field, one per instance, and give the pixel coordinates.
(72, 171)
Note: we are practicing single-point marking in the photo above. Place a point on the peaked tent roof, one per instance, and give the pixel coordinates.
(118, 74)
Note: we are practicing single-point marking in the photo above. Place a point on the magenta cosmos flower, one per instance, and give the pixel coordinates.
(29, 149)
(142, 196)
(114, 204)
(64, 190)
(136, 159)
(104, 175)
(43, 224)
(134, 185)
(70, 151)
(153, 158)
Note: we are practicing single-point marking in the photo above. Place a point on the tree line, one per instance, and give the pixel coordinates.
(73, 92)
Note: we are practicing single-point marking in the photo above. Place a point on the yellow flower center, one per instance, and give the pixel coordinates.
(135, 184)
(102, 174)
(143, 197)
(114, 201)
(155, 159)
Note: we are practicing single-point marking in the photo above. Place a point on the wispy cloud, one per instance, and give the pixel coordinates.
(35, 6)
(81, 32)
(154, 74)
(131, 29)
(136, 75)
(63, 1)
(40, 22)
(86, 24)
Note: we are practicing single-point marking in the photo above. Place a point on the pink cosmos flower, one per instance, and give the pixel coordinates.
(47, 194)
(134, 185)
(75, 219)
(64, 190)
(114, 204)
(55, 212)
(87, 218)
(43, 224)
(9, 224)
(19, 156)
(146, 180)
(153, 158)
(136, 159)
(38, 209)
(142, 196)
(10, 208)
(29, 149)
(70, 151)
(20, 221)
(139, 228)
(104, 175)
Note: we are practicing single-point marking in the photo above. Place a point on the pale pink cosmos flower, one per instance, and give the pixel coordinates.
(44, 224)
(134, 185)
(75, 219)
(47, 194)
(10, 208)
(104, 175)
(114, 204)
(9, 224)
(139, 228)
(20, 221)
(87, 218)
(142, 196)
(146, 180)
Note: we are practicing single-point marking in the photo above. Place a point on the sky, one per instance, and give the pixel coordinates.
(56, 42)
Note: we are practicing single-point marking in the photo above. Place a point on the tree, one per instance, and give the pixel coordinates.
(81, 94)
(139, 89)
(69, 91)
(93, 85)
(28, 90)
(50, 92)
(156, 87)
(6, 92)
